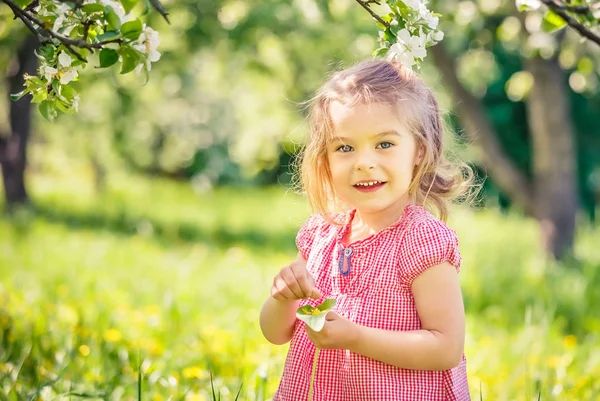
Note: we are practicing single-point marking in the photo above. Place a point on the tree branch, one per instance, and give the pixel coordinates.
(578, 9)
(578, 26)
(29, 19)
(365, 4)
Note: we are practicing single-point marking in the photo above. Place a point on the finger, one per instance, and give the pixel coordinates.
(316, 293)
(281, 289)
(292, 284)
(306, 282)
(331, 315)
(304, 279)
(276, 294)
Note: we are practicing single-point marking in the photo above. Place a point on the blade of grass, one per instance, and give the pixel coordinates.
(139, 376)
(238, 393)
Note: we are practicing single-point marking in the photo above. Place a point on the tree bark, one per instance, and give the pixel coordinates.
(13, 147)
(554, 161)
(552, 196)
(479, 129)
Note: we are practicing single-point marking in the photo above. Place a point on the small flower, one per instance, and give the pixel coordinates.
(414, 4)
(62, 9)
(48, 72)
(84, 350)
(315, 317)
(64, 60)
(194, 372)
(428, 17)
(147, 43)
(67, 75)
(409, 47)
(76, 103)
(528, 4)
(112, 335)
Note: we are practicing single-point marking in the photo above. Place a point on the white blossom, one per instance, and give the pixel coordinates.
(409, 47)
(61, 15)
(528, 4)
(428, 17)
(64, 60)
(76, 103)
(147, 43)
(438, 36)
(48, 72)
(67, 75)
(115, 5)
(414, 4)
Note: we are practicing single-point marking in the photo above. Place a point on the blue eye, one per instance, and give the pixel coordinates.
(344, 149)
(385, 145)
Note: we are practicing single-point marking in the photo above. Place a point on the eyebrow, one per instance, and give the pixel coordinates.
(381, 134)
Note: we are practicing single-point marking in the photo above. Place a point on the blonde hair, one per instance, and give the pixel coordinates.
(436, 180)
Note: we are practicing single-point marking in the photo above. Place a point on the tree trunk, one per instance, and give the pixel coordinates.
(554, 161)
(13, 147)
(552, 196)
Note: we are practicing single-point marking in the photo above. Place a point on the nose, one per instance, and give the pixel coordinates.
(365, 162)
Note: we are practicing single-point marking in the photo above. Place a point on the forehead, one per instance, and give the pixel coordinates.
(365, 118)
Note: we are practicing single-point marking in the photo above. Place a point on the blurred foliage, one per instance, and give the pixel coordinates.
(93, 287)
(225, 103)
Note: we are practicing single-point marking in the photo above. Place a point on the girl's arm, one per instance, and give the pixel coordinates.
(277, 319)
(439, 344)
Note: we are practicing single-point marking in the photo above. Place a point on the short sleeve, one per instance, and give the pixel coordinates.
(428, 244)
(306, 234)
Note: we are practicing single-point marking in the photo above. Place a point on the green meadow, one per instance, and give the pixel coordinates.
(157, 280)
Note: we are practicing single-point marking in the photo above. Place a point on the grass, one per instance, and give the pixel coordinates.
(88, 282)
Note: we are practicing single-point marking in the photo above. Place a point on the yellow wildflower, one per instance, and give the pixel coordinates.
(84, 350)
(570, 342)
(195, 372)
(112, 335)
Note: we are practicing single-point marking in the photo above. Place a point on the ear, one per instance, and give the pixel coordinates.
(420, 154)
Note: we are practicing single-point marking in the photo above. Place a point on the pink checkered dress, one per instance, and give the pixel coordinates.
(376, 292)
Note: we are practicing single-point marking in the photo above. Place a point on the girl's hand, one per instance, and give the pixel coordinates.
(294, 282)
(338, 333)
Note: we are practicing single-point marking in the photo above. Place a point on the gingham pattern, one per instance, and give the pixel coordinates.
(376, 293)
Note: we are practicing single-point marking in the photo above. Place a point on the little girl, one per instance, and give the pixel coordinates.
(372, 168)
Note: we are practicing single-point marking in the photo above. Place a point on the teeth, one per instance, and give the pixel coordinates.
(368, 183)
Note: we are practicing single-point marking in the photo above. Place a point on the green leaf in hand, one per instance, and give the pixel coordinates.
(315, 317)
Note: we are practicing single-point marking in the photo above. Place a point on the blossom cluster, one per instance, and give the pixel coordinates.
(410, 28)
(79, 28)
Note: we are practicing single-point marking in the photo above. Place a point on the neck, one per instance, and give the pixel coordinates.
(371, 223)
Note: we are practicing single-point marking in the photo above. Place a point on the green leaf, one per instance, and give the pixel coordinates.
(68, 93)
(93, 8)
(64, 106)
(552, 22)
(47, 52)
(132, 29)
(17, 96)
(131, 58)
(48, 110)
(129, 4)
(389, 36)
(108, 35)
(56, 85)
(380, 52)
(327, 304)
(39, 96)
(108, 57)
(114, 22)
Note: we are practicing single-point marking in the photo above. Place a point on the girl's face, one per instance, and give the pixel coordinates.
(371, 158)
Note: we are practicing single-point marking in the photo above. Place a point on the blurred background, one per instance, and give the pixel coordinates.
(140, 236)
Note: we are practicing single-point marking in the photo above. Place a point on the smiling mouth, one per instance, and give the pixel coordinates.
(369, 186)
